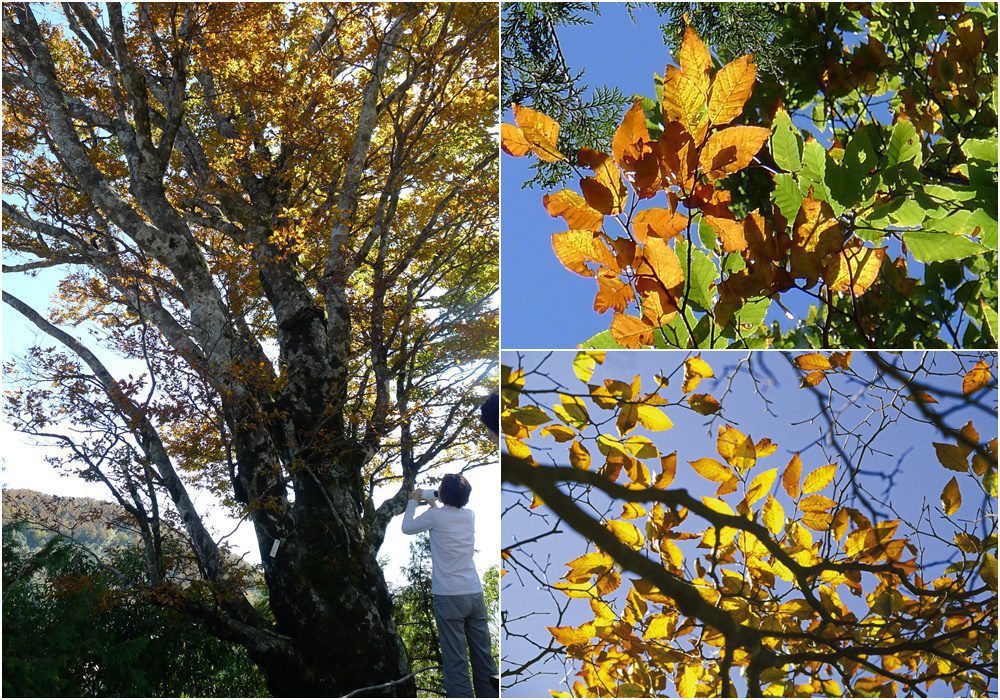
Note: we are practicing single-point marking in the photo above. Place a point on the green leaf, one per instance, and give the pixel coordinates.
(813, 173)
(785, 143)
(985, 226)
(851, 181)
(602, 341)
(989, 319)
(700, 278)
(786, 196)
(928, 246)
(909, 213)
(819, 116)
(904, 145)
(981, 149)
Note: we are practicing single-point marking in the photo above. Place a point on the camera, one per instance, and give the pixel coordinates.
(429, 494)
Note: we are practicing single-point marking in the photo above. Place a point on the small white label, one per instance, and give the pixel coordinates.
(274, 548)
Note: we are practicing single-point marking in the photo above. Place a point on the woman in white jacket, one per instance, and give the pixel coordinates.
(459, 608)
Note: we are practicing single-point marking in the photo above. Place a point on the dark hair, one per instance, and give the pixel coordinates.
(454, 490)
(489, 413)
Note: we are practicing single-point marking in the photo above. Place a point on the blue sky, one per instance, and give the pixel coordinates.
(906, 445)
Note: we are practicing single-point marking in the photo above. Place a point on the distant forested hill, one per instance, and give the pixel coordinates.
(97, 524)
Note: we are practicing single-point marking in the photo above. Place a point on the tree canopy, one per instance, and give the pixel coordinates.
(856, 173)
(817, 574)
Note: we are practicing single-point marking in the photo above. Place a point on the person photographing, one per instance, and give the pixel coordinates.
(459, 607)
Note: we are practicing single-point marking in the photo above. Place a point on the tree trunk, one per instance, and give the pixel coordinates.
(329, 596)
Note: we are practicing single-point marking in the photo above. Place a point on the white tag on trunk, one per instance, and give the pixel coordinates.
(274, 548)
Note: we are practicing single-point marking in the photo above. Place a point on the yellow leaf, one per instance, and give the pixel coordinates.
(585, 362)
(631, 511)
(731, 150)
(819, 478)
(695, 369)
(765, 447)
(693, 56)
(668, 469)
(626, 533)
(572, 411)
(711, 469)
(731, 89)
(587, 565)
(568, 636)
(512, 141)
(988, 571)
(730, 233)
(575, 249)
(661, 627)
(560, 433)
(760, 486)
(671, 553)
(687, 681)
(540, 131)
(628, 416)
(653, 418)
(817, 520)
(736, 448)
(517, 448)
(854, 269)
(718, 505)
(684, 98)
(790, 479)
(773, 515)
(705, 404)
(813, 361)
(816, 504)
(579, 456)
(951, 497)
(574, 210)
(977, 378)
(631, 332)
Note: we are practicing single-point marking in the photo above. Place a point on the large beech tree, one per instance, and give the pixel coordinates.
(283, 215)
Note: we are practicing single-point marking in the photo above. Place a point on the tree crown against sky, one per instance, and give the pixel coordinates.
(870, 191)
(285, 216)
(726, 531)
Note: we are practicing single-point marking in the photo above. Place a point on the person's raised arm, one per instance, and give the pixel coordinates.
(413, 525)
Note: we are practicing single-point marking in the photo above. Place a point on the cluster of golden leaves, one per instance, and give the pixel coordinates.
(637, 644)
(696, 148)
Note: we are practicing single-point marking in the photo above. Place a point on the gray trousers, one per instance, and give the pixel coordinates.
(464, 630)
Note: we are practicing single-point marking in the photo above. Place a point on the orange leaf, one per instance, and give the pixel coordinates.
(631, 332)
(574, 210)
(817, 236)
(813, 361)
(732, 149)
(977, 378)
(790, 478)
(662, 223)
(631, 140)
(612, 293)
(952, 457)
(512, 141)
(705, 404)
(730, 232)
(540, 131)
(668, 466)
(661, 263)
(605, 191)
(731, 89)
(575, 249)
